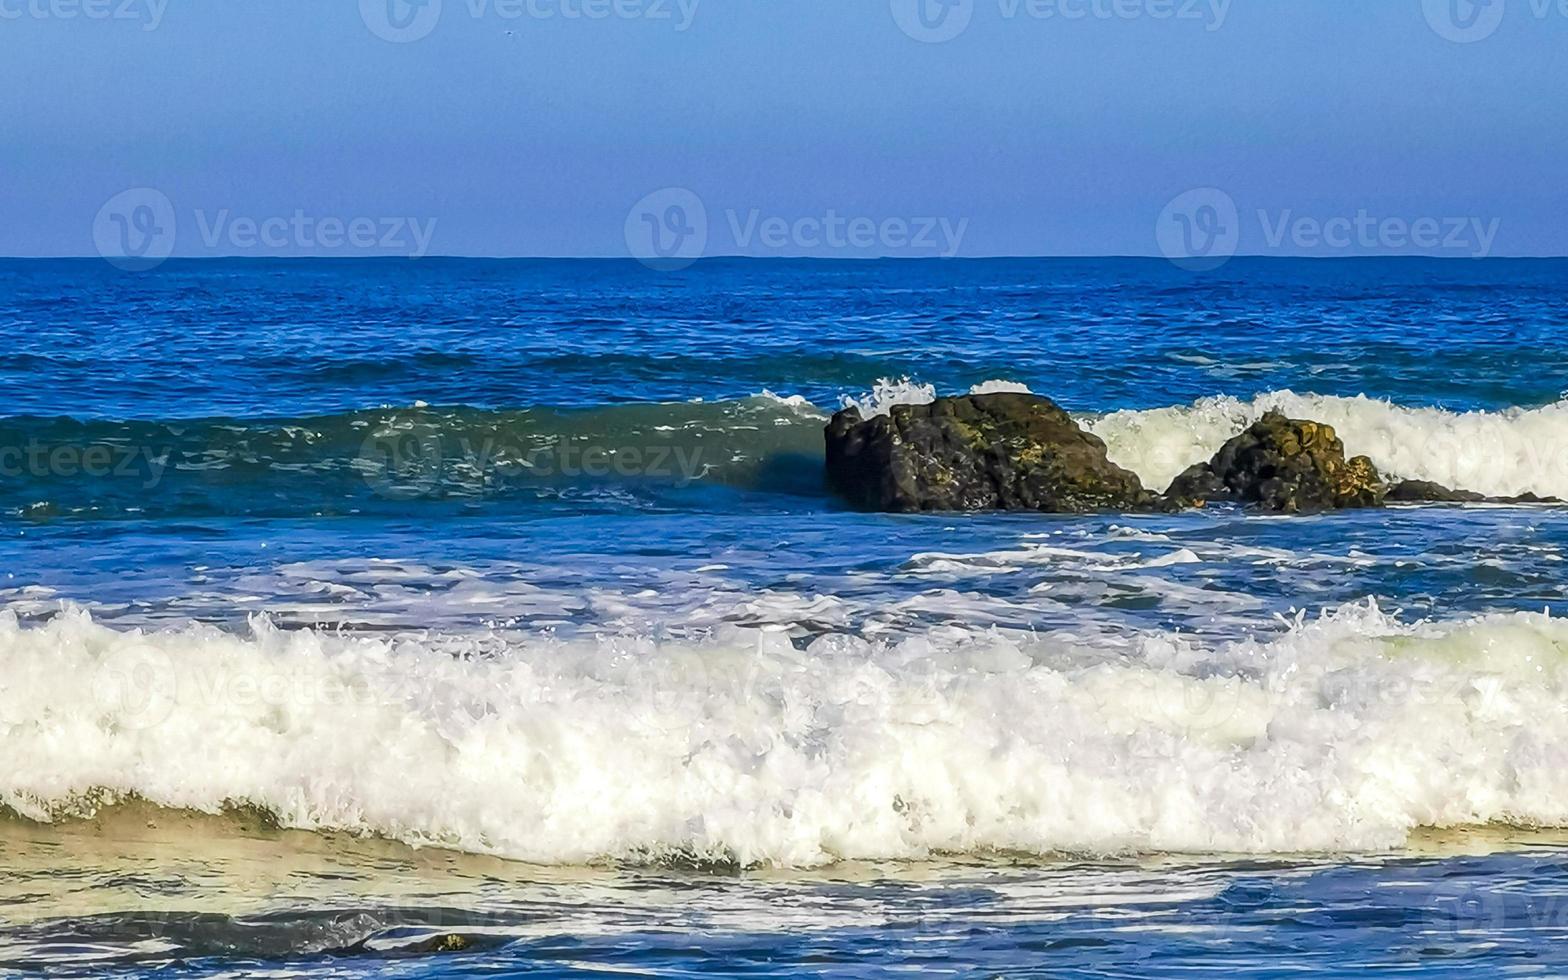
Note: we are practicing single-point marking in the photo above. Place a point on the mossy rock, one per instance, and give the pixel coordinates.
(1007, 451)
(1286, 466)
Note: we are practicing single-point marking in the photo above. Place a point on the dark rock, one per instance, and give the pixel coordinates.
(1284, 465)
(1525, 498)
(1427, 492)
(1007, 451)
(1196, 486)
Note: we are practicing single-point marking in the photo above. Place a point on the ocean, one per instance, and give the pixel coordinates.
(476, 618)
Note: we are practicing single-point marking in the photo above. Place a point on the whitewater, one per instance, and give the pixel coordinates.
(1344, 733)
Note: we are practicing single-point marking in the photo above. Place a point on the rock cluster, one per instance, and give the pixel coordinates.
(1016, 451)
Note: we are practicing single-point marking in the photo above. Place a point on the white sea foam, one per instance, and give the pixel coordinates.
(796, 403)
(1499, 453)
(999, 387)
(1342, 734)
(887, 393)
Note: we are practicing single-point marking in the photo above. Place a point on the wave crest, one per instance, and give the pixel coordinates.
(1343, 734)
(386, 458)
(1503, 453)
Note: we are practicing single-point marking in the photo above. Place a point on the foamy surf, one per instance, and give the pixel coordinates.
(1343, 734)
(1496, 453)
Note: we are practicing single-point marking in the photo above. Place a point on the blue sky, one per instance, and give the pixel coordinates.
(826, 127)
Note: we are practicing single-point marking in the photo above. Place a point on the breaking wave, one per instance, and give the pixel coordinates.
(628, 455)
(1503, 453)
(1342, 734)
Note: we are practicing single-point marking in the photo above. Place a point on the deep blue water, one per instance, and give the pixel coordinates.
(524, 449)
(284, 338)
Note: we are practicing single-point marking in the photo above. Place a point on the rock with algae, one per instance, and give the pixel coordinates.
(1283, 465)
(1003, 451)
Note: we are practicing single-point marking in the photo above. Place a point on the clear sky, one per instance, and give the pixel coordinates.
(825, 127)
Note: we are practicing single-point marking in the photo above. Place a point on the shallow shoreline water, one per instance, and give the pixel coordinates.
(208, 895)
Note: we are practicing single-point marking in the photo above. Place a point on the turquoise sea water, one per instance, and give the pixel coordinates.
(530, 565)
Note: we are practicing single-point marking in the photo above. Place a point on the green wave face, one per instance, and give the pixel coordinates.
(398, 458)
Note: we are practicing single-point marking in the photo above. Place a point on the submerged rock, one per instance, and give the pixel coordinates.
(1005, 451)
(1526, 498)
(1427, 492)
(1289, 466)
